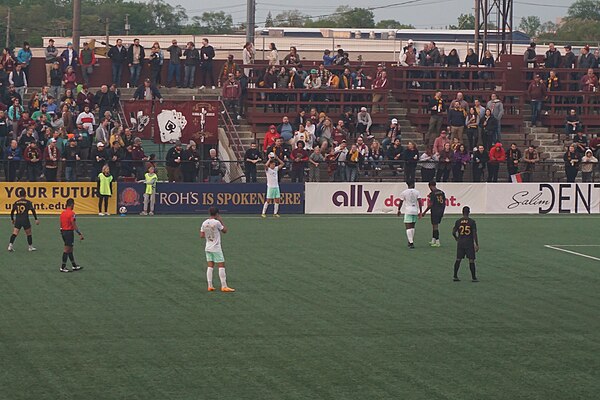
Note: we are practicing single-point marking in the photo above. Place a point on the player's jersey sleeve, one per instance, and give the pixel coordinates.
(202, 228)
(13, 211)
(402, 196)
(32, 209)
(219, 225)
(473, 227)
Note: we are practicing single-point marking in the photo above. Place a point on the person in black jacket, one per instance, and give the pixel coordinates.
(410, 156)
(118, 56)
(394, 154)
(147, 91)
(173, 158)
(115, 155)
(189, 163)
(135, 59)
(480, 159)
(215, 167)
(105, 100)
(251, 158)
(207, 53)
(192, 58)
(489, 126)
(437, 108)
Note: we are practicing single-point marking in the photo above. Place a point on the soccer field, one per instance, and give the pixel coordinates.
(326, 308)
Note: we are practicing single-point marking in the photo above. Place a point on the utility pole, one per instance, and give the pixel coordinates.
(76, 23)
(107, 29)
(8, 28)
(250, 20)
(477, 22)
(127, 26)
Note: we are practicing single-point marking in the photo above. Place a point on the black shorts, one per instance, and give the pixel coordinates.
(22, 224)
(68, 237)
(465, 250)
(436, 217)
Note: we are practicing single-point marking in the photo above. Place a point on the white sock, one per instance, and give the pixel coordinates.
(410, 234)
(223, 277)
(276, 208)
(437, 241)
(209, 273)
(265, 208)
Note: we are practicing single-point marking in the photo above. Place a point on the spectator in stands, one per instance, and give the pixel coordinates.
(410, 156)
(51, 157)
(85, 98)
(531, 158)
(147, 91)
(70, 156)
(363, 123)
(588, 162)
(530, 59)
(13, 156)
(87, 60)
(70, 78)
(189, 163)
(116, 154)
(471, 61)
(69, 57)
(445, 159)
(489, 127)
(231, 95)
(354, 159)
(572, 124)
(392, 133)
(207, 53)
(315, 160)
(243, 80)
(33, 158)
(157, 59)
(18, 79)
(99, 158)
(248, 56)
(553, 58)
(118, 55)
(324, 133)
(299, 157)
(381, 83)
(340, 132)
(56, 80)
(589, 81)
(285, 130)
(586, 59)
(4, 130)
(408, 57)
(135, 60)
(216, 168)
(87, 119)
(581, 143)
(461, 159)
(3, 83)
(312, 82)
(497, 156)
(572, 160)
(456, 121)
(173, 162)
(513, 157)
(139, 157)
(251, 158)
(24, 57)
(570, 61)
(328, 59)
(229, 67)
(174, 69)
(428, 163)
(105, 100)
(15, 112)
(480, 160)
(440, 142)
(436, 108)
(552, 83)
(452, 61)
(375, 156)
(192, 59)
(537, 93)
(292, 58)
(497, 109)
(273, 54)
(472, 124)
(50, 56)
(270, 136)
(394, 154)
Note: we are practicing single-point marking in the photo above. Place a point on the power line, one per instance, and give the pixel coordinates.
(527, 3)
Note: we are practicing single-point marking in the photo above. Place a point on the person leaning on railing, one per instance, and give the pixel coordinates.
(588, 162)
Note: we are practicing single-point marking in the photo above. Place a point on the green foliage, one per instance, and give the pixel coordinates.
(530, 25)
(576, 31)
(392, 24)
(269, 20)
(584, 10)
(211, 23)
(290, 18)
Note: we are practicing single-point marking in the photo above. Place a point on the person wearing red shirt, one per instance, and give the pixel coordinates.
(497, 157)
(68, 225)
(299, 158)
(270, 137)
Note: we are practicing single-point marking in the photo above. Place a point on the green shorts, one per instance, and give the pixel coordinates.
(215, 256)
(273, 193)
(410, 219)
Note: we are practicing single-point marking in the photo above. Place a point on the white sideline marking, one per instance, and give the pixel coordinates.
(575, 245)
(571, 252)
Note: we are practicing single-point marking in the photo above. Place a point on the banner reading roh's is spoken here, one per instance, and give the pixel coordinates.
(50, 197)
(383, 198)
(543, 198)
(193, 198)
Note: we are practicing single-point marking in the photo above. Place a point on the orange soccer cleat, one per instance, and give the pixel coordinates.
(227, 289)
(211, 289)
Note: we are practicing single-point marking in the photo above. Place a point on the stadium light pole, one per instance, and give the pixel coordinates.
(250, 20)
(76, 23)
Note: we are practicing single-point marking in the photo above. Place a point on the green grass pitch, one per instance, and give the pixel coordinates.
(326, 308)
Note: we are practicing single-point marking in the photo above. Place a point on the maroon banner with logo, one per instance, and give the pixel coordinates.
(138, 115)
(185, 121)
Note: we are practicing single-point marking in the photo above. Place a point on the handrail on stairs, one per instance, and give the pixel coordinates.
(232, 133)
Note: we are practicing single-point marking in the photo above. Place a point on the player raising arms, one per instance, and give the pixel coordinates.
(437, 205)
(211, 231)
(22, 207)
(467, 244)
(68, 225)
(272, 167)
(412, 210)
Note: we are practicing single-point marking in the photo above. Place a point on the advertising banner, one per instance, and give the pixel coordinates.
(543, 198)
(186, 120)
(193, 198)
(383, 198)
(138, 114)
(50, 197)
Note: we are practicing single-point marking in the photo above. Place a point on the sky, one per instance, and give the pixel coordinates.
(422, 14)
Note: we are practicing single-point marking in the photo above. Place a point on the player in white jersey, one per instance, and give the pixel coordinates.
(211, 231)
(272, 168)
(413, 208)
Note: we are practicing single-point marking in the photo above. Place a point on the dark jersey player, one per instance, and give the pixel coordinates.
(467, 244)
(21, 208)
(437, 204)
(68, 226)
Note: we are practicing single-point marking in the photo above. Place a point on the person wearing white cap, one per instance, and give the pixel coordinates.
(51, 157)
(363, 122)
(392, 133)
(99, 157)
